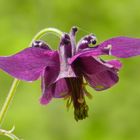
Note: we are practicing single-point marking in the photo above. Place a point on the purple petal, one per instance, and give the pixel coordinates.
(86, 52)
(48, 77)
(121, 47)
(60, 89)
(99, 74)
(29, 63)
(56, 90)
(103, 80)
(47, 95)
(115, 63)
(50, 88)
(65, 52)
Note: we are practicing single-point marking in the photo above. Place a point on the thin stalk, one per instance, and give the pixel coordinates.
(16, 81)
(46, 31)
(8, 99)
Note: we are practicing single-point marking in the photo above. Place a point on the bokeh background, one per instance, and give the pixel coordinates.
(115, 113)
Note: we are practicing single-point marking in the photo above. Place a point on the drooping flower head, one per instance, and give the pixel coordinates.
(65, 72)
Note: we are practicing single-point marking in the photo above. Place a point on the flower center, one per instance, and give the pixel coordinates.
(77, 97)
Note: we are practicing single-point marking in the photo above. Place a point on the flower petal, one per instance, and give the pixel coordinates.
(121, 47)
(65, 52)
(103, 80)
(47, 95)
(115, 63)
(56, 90)
(86, 52)
(99, 74)
(60, 89)
(29, 63)
(50, 88)
(48, 76)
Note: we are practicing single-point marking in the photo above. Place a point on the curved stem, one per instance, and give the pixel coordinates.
(16, 81)
(9, 134)
(46, 31)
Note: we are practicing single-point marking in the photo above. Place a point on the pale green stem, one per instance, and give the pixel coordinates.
(16, 81)
(9, 134)
(8, 99)
(46, 31)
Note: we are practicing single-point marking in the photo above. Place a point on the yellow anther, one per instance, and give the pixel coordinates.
(80, 100)
(68, 104)
(99, 87)
(87, 93)
(84, 84)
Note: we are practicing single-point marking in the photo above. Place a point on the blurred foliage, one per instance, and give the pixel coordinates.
(114, 114)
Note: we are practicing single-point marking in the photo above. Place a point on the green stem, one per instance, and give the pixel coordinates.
(46, 31)
(8, 99)
(16, 81)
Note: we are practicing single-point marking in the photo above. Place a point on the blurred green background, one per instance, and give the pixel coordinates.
(115, 113)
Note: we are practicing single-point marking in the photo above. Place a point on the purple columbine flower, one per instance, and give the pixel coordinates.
(64, 73)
